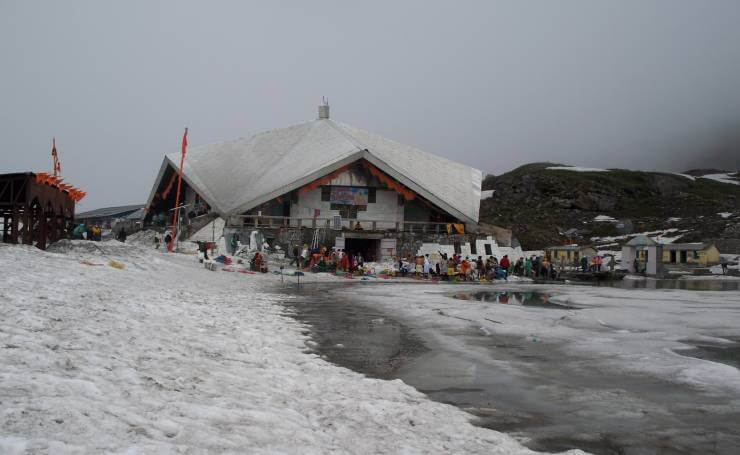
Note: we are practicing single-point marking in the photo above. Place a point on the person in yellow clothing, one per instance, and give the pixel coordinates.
(96, 231)
(465, 269)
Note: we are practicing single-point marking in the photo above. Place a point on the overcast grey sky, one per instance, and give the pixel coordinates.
(638, 84)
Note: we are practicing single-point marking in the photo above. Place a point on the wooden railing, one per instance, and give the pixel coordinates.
(275, 222)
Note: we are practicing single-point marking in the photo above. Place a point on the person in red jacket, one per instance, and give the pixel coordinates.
(504, 264)
(344, 262)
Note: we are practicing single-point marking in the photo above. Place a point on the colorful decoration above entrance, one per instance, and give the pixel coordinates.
(348, 195)
(387, 181)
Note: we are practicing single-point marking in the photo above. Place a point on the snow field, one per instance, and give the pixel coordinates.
(166, 357)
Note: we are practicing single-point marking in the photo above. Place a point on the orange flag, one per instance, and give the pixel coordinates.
(55, 157)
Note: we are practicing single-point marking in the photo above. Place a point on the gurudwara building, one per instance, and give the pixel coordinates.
(327, 183)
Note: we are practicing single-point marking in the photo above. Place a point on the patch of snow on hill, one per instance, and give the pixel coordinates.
(659, 236)
(723, 178)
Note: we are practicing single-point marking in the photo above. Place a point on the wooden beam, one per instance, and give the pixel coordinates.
(6, 184)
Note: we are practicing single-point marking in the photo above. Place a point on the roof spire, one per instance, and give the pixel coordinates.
(324, 108)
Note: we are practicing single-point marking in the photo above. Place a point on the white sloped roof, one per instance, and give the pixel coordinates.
(236, 175)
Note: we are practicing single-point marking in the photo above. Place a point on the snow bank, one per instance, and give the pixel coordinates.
(164, 356)
(144, 238)
(605, 218)
(207, 233)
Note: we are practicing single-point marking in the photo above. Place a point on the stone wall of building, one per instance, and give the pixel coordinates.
(385, 208)
(408, 244)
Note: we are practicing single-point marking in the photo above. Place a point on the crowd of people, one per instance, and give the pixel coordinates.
(455, 267)
(441, 266)
(325, 259)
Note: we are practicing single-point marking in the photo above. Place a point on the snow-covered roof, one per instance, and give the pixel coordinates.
(110, 212)
(239, 174)
(641, 240)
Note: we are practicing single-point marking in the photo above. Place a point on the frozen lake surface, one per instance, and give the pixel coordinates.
(606, 370)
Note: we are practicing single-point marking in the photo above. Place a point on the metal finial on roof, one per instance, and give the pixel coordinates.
(324, 108)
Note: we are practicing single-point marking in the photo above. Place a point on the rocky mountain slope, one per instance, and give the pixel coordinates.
(551, 204)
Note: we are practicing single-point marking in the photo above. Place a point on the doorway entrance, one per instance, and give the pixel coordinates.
(368, 248)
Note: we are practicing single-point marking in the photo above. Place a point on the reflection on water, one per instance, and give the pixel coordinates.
(689, 285)
(729, 354)
(532, 299)
(357, 337)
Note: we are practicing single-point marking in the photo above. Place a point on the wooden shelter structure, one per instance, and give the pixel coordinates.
(36, 208)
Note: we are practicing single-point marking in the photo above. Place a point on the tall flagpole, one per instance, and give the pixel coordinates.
(55, 157)
(175, 216)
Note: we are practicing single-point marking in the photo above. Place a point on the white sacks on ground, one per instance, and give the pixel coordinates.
(483, 247)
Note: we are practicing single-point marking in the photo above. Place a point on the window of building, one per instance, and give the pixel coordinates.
(348, 211)
(489, 251)
(325, 193)
(458, 250)
(696, 254)
(371, 195)
(473, 248)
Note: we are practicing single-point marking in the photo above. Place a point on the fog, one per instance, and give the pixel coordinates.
(633, 84)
